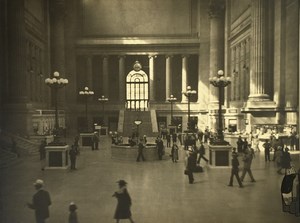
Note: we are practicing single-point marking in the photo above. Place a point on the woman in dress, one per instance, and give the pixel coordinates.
(124, 202)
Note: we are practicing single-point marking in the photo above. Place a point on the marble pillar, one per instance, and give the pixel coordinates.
(105, 85)
(16, 89)
(89, 72)
(259, 66)
(152, 77)
(184, 82)
(122, 78)
(168, 76)
(57, 12)
(216, 14)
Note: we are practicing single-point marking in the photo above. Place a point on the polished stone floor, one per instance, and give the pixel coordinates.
(159, 190)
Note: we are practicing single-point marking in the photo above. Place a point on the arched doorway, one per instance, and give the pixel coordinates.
(137, 88)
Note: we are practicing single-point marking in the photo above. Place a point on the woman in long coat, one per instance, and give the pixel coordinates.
(124, 202)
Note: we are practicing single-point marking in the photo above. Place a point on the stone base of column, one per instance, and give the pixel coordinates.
(259, 102)
(220, 155)
(57, 157)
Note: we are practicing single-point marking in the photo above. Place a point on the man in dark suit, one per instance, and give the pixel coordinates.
(40, 202)
(95, 141)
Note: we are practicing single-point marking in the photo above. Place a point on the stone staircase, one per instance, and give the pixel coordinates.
(24, 146)
(7, 158)
(146, 128)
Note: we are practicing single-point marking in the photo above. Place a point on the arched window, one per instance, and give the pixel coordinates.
(137, 90)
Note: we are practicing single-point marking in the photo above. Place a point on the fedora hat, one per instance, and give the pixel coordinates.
(122, 182)
(39, 182)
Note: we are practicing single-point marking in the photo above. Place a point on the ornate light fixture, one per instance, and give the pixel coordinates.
(86, 93)
(56, 82)
(220, 82)
(172, 100)
(103, 100)
(188, 93)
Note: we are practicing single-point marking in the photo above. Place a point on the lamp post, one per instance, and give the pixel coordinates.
(137, 122)
(56, 83)
(188, 93)
(103, 100)
(86, 93)
(220, 82)
(171, 99)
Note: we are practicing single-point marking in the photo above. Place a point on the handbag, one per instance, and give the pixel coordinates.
(186, 172)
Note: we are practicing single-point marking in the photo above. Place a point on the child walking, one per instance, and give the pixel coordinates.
(73, 213)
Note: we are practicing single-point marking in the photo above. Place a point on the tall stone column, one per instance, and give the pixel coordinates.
(168, 76)
(184, 81)
(151, 77)
(243, 71)
(122, 78)
(16, 88)
(216, 14)
(89, 72)
(57, 12)
(259, 65)
(105, 77)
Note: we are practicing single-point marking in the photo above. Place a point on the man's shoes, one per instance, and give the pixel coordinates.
(253, 180)
(241, 186)
(229, 185)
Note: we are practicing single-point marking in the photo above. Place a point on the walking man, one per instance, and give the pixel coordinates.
(235, 170)
(160, 148)
(201, 153)
(40, 202)
(73, 155)
(248, 157)
(267, 147)
(95, 141)
(140, 150)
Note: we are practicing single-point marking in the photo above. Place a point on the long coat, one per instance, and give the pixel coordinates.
(40, 203)
(124, 204)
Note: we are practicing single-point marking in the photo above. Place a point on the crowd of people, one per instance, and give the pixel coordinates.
(194, 146)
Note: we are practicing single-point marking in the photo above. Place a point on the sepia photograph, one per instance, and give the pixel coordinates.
(149, 111)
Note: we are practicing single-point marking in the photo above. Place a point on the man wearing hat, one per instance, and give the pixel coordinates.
(40, 202)
(235, 170)
(124, 202)
(190, 161)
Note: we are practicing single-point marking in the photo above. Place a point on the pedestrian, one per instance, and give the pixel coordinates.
(235, 170)
(247, 159)
(124, 202)
(95, 141)
(168, 137)
(200, 135)
(42, 151)
(206, 134)
(160, 147)
(141, 147)
(201, 152)
(76, 144)
(174, 138)
(174, 153)
(278, 158)
(240, 144)
(245, 145)
(286, 159)
(267, 147)
(73, 155)
(40, 202)
(190, 165)
(73, 213)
